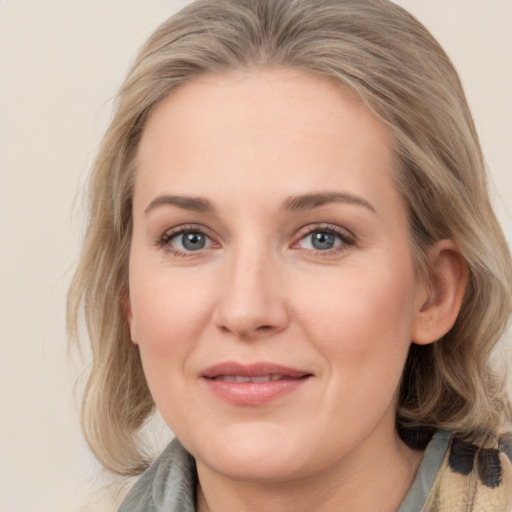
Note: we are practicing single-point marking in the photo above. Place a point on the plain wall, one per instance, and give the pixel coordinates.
(61, 62)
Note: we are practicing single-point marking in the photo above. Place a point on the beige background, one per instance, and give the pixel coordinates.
(61, 62)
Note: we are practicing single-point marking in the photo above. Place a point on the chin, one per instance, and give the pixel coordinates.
(261, 467)
(256, 452)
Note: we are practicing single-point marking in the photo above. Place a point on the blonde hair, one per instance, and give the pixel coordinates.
(391, 62)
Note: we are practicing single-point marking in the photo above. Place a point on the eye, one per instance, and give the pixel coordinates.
(330, 239)
(183, 241)
(190, 241)
(321, 240)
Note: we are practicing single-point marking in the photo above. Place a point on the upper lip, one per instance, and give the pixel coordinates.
(252, 370)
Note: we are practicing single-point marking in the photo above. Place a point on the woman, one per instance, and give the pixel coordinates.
(292, 254)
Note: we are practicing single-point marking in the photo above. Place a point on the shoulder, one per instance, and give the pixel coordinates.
(167, 485)
(475, 477)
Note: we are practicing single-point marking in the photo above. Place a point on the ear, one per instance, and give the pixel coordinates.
(439, 303)
(127, 308)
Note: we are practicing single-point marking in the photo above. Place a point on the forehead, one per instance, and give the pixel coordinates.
(243, 130)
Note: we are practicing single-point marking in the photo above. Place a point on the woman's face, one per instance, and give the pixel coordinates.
(272, 290)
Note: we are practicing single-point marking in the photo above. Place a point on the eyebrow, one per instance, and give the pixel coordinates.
(196, 204)
(295, 203)
(311, 201)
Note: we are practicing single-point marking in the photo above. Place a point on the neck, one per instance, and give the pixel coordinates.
(376, 476)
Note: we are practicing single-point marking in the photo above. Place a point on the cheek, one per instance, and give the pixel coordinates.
(167, 325)
(168, 305)
(362, 330)
(362, 323)
(168, 316)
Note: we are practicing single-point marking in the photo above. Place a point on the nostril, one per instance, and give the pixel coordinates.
(250, 316)
(249, 333)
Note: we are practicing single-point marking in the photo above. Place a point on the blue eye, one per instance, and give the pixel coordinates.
(320, 241)
(192, 241)
(323, 239)
(186, 241)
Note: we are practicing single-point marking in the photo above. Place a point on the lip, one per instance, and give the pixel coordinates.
(220, 379)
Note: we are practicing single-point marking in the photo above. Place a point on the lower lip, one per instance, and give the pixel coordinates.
(253, 393)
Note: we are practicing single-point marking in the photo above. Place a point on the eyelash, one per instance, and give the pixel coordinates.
(165, 239)
(347, 239)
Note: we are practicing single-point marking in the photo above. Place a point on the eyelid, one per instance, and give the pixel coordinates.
(347, 238)
(163, 241)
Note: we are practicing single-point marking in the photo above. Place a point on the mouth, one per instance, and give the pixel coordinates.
(255, 384)
(241, 379)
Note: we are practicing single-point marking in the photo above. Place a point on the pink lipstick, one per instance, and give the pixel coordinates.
(253, 384)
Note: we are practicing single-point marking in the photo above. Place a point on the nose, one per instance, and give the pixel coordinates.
(252, 302)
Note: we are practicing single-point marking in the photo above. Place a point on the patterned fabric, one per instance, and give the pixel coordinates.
(472, 478)
(454, 476)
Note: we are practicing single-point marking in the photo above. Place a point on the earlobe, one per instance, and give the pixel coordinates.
(447, 281)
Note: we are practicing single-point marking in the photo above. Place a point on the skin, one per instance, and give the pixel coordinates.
(259, 290)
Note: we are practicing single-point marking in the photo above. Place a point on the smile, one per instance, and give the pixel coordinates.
(241, 379)
(253, 385)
